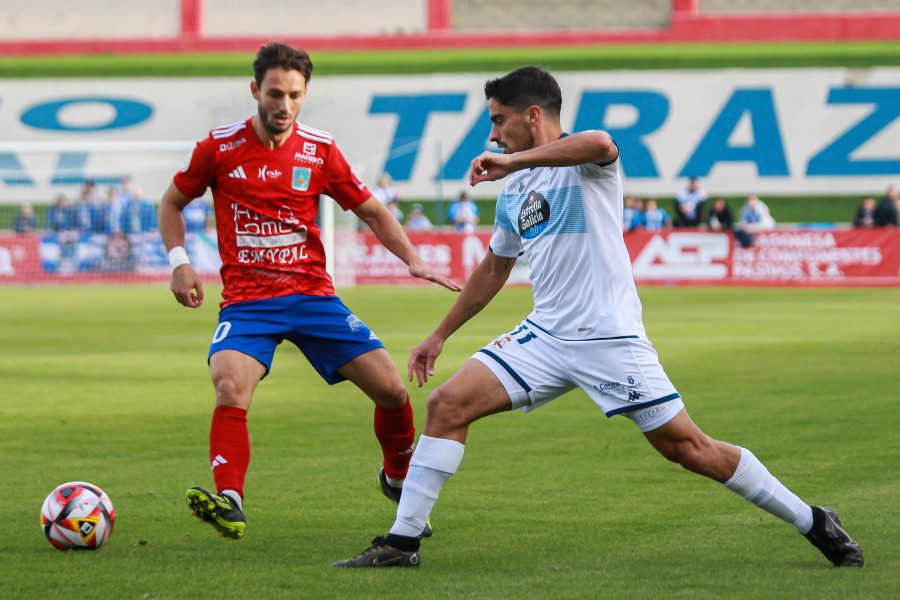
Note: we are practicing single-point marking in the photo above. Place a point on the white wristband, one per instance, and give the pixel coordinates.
(177, 257)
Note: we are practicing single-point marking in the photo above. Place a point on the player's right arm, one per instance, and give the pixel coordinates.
(486, 280)
(185, 284)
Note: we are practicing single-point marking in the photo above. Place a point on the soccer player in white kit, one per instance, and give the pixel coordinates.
(562, 208)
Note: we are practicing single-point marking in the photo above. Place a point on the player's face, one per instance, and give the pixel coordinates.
(511, 130)
(279, 98)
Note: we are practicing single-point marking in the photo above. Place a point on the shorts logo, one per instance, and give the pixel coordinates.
(300, 179)
(650, 412)
(534, 215)
(355, 323)
(501, 341)
(616, 389)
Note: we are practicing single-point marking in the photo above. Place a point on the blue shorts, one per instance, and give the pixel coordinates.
(324, 330)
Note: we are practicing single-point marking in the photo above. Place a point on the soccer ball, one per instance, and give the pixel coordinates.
(77, 515)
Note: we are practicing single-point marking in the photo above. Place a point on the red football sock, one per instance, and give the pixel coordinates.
(229, 448)
(396, 433)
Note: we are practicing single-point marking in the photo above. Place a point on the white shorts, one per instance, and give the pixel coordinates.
(621, 375)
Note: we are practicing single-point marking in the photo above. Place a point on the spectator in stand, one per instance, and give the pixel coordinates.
(90, 190)
(755, 217)
(384, 191)
(117, 253)
(60, 216)
(463, 213)
(25, 220)
(126, 189)
(865, 214)
(655, 217)
(689, 205)
(720, 217)
(394, 208)
(88, 216)
(196, 215)
(632, 214)
(112, 212)
(417, 221)
(138, 214)
(886, 211)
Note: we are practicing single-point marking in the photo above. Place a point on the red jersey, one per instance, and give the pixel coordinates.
(266, 202)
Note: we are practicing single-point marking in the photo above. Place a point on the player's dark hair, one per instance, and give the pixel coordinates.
(524, 87)
(276, 54)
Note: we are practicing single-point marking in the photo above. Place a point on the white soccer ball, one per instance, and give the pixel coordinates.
(77, 515)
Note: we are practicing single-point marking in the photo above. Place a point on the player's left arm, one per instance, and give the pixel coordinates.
(390, 233)
(575, 149)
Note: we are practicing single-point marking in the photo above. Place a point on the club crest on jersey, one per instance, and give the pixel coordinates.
(300, 178)
(534, 216)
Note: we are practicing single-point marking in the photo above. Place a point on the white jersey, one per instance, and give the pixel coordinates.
(568, 223)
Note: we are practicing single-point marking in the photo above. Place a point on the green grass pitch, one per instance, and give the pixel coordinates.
(110, 385)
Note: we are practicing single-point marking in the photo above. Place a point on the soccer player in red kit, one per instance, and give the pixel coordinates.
(266, 174)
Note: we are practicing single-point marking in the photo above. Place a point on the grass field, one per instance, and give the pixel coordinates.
(109, 385)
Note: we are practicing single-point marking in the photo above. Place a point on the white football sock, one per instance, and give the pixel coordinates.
(753, 482)
(432, 464)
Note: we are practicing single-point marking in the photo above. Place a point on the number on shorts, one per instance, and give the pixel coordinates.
(527, 338)
(221, 332)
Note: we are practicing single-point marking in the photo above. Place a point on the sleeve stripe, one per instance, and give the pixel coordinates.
(228, 130)
(314, 134)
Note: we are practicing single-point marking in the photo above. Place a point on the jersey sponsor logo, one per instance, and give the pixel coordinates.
(309, 148)
(238, 173)
(300, 178)
(265, 172)
(253, 230)
(307, 157)
(534, 215)
(232, 145)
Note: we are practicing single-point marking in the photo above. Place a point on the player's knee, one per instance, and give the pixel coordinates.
(229, 392)
(444, 409)
(392, 394)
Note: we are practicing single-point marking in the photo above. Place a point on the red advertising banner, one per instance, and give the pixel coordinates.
(452, 254)
(20, 260)
(859, 257)
(864, 257)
